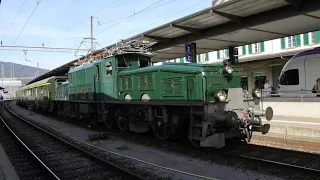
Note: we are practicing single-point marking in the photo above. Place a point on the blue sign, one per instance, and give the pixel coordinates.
(188, 52)
(5, 92)
(187, 48)
(189, 57)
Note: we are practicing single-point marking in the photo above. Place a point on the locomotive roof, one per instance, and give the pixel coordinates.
(87, 65)
(176, 67)
(84, 66)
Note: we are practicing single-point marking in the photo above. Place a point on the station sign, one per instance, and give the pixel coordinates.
(234, 55)
(190, 52)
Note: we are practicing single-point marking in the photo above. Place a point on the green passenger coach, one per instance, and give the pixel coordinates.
(41, 94)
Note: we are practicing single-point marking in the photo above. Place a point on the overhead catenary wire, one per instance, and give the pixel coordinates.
(144, 9)
(162, 18)
(127, 17)
(152, 6)
(82, 22)
(38, 2)
(13, 20)
(118, 19)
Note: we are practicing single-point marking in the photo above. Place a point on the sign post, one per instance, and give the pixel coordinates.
(190, 51)
(233, 54)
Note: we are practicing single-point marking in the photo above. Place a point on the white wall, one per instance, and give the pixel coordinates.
(270, 47)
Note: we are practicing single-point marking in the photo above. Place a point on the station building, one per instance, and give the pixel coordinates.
(10, 85)
(263, 60)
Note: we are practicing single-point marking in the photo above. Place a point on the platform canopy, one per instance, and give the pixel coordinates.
(229, 23)
(233, 23)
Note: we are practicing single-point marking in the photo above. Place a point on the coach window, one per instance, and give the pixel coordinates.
(109, 68)
(97, 72)
(290, 77)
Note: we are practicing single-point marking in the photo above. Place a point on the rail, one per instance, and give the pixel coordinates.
(29, 150)
(80, 149)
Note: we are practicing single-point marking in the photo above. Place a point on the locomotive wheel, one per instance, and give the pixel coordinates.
(195, 143)
(162, 131)
(109, 122)
(122, 123)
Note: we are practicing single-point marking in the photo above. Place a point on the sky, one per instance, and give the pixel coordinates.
(65, 24)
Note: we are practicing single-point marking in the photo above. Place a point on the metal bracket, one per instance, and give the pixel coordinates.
(232, 17)
(189, 29)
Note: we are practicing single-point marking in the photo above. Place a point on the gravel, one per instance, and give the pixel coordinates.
(165, 154)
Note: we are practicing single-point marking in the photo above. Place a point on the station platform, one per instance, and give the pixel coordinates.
(7, 171)
(292, 128)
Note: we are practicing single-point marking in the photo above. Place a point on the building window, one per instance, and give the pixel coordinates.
(312, 37)
(224, 54)
(291, 41)
(256, 47)
(290, 77)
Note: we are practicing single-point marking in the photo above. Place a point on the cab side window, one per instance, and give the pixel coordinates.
(109, 68)
(97, 73)
(290, 77)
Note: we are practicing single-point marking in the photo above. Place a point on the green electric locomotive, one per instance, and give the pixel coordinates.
(124, 89)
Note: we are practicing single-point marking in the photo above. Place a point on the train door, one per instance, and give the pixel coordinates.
(108, 81)
(191, 88)
(36, 96)
(312, 73)
(97, 80)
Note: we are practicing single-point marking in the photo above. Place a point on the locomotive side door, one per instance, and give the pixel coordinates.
(108, 80)
(97, 79)
(191, 90)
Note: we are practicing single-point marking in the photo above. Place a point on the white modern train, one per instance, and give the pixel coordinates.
(301, 73)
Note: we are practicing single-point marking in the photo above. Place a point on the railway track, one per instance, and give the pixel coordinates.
(27, 166)
(289, 160)
(303, 164)
(306, 163)
(60, 159)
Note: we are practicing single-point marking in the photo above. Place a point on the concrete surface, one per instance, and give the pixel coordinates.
(294, 128)
(7, 171)
(295, 109)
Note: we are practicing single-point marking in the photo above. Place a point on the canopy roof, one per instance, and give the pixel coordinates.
(231, 23)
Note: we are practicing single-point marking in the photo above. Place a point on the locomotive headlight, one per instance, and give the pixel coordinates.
(257, 93)
(221, 95)
(228, 69)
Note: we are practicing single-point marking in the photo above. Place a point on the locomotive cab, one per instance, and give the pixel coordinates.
(133, 61)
